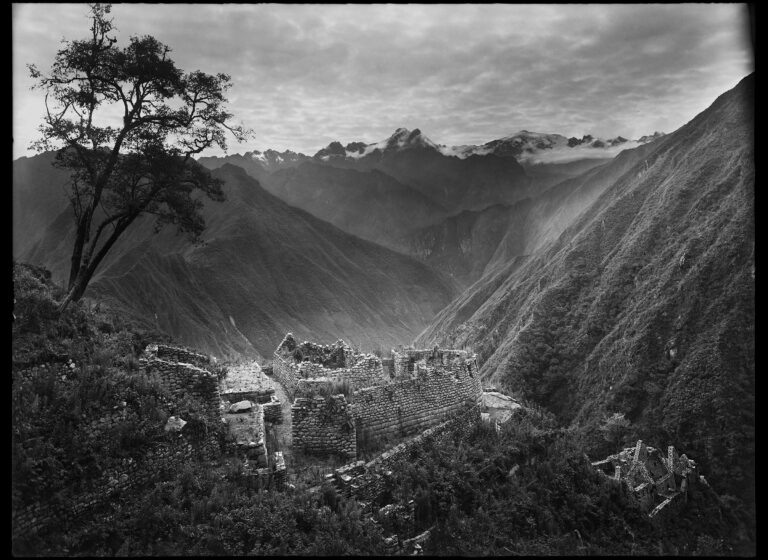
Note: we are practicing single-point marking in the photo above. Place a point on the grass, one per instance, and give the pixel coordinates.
(332, 388)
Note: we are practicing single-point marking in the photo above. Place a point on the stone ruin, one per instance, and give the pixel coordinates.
(245, 422)
(656, 478)
(240, 396)
(246, 382)
(362, 396)
(180, 370)
(303, 368)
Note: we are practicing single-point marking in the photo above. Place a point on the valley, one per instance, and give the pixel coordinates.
(525, 328)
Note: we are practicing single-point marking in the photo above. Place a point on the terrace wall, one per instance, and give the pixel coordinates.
(323, 426)
(417, 401)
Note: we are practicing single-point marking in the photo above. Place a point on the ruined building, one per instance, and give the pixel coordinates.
(657, 479)
(342, 396)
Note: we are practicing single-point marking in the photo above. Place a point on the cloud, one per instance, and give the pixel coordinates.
(308, 74)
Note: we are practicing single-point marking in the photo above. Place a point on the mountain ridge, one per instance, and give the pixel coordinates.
(263, 268)
(522, 143)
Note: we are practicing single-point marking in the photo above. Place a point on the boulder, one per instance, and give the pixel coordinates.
(174, 424)
(242, 406)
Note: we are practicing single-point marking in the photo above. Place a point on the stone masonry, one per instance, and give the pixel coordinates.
(416, 390)
(367, 481)
(335, 363)
(183, 355)
(323, 426)
(246, 382)
(180, 377)
(418, 401)
(656, 478)
(163, 457)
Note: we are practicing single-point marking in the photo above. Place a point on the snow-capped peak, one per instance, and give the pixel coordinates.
(538, 147)
(401, 139)
(524, 145)
(257, 155)
(404, 138)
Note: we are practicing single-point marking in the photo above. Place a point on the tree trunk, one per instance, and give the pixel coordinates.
(76, 291)
(84, 275)
(77, 255)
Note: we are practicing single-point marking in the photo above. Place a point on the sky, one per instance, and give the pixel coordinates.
(306, 75)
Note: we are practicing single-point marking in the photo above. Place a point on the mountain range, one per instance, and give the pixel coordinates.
(403, 191)
(524, 146)
(594, 277)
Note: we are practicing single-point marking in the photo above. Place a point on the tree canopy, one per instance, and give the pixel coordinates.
(126, 122)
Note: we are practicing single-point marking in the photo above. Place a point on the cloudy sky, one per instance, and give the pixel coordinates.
(305, 75)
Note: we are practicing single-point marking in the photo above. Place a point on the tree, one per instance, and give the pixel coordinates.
(141, 163)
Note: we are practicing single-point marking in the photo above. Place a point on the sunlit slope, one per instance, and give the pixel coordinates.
(645, 305)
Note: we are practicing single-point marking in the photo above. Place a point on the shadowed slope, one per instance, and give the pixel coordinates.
(369, 204)
(263, 268)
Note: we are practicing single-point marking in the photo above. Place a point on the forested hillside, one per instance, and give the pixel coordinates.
(645, 306)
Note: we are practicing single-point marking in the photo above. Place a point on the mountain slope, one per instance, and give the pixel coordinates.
(463, 245)
(38, 197)
(545, 175)
(472, 244)
(263, 268)
(369, 204)
(256, 163)
(473, 183)
(645, 305)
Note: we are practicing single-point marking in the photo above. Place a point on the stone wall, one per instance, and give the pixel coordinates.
(401, 396)
(126, 476)
(417, 401)
(365, 372)
(335, 355)
(273, 411)
(286, 373)
(367, 481)
(406, 362)
(651, 474)
(247, 435)
(165, 456)
(174, 354)
(323, 426)
(184, 377)
(333, 364)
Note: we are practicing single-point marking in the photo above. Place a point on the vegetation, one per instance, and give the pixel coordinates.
(329, 389)
(142, 165)
(527, 489)
(530, 490)
(644, 308)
